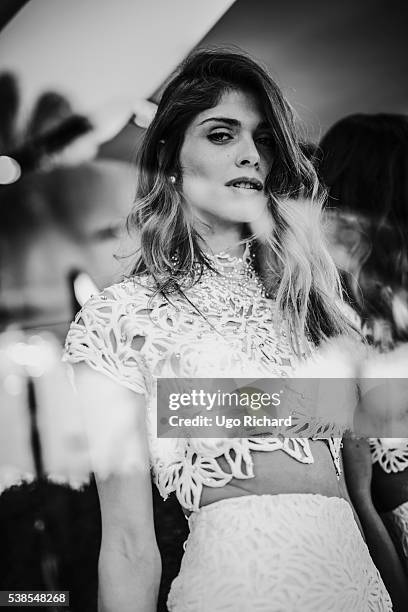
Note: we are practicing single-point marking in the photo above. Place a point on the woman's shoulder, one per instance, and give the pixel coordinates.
(109, 313)
(103, 331)
(132, 288)
(130, 295)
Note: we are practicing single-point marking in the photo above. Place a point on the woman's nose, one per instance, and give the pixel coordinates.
(248, 154)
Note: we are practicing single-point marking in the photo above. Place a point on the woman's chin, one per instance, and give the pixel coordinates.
(253, 214)
(245, 211)
(250, 210)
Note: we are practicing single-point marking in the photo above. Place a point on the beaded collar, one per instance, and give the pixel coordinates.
(231, 290)
(235, 271)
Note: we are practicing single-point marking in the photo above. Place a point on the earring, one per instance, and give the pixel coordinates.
(172, 178)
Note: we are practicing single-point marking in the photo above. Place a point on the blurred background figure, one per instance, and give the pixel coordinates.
(62, 218)
(364, 164)
(363, 161)
(65, 213)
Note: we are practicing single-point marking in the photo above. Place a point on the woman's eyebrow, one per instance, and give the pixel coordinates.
(233, 122)
(227, 120)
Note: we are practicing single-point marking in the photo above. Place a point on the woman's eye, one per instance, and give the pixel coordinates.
(219, 137)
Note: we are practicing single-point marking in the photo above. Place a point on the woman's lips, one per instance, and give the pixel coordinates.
(246, 183)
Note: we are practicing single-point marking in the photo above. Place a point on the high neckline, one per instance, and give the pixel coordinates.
(224, 262)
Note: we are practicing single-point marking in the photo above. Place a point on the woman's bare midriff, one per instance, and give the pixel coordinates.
(277, 472)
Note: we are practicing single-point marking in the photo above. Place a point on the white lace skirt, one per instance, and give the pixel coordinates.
(277, 553)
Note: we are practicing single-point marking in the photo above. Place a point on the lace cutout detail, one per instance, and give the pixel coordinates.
(313, 428)
(390, 453)
(223, 326)
(102, 337)
(298, 448)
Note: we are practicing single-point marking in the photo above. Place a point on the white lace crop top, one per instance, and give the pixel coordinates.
(135, 336)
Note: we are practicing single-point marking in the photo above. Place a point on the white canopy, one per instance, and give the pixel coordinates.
(95, 51)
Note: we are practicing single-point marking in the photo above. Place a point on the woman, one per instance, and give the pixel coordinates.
(268, 530)
(364, 161)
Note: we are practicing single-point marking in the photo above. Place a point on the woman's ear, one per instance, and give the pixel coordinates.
(172, 174)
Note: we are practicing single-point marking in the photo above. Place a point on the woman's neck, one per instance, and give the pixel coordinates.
(226, 240)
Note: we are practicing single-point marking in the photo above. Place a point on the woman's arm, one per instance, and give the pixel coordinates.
(129, 560)
(358, 473)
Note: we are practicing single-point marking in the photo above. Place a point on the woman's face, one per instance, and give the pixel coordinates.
(225, 159)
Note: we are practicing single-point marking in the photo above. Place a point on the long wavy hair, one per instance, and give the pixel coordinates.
(364, 165)
(293, 261)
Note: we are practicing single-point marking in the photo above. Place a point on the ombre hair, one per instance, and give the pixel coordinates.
(292, 259)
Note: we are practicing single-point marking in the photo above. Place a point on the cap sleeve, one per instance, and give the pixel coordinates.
(100, 337)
